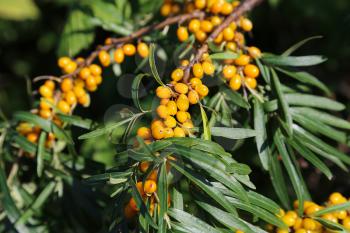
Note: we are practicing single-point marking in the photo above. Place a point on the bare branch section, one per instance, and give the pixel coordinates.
(242, 9)
(135, 35)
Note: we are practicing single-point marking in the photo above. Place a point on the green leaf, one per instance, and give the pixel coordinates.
(306, 78)
(264, 70)
(76, 121)
(223, 56)
(141, 205)
(261, 213)
(313, 101)
(293, 60)
(104, 130)
(294, 47)
(18, 9)
(207, 188)
(288, 164)
(213, 167)
(107, 177)
(233, 133)
(229, 220)
(153, 66)
(311, 157)
(177, 198)
(318, 127)
(322, 117)
(40, 154)
(235, 98)
(261, 134)
(191, 221)
(135, 90)
(307, 137)
(239, 168)
(278, 181)
(206, 134)
(162, 192)
(282, 101)
(39, 201)
(46, 125)
(331, 225)
(78, 34)
(332, 209)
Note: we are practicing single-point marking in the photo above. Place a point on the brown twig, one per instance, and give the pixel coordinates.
(135, 35)
(243, 8)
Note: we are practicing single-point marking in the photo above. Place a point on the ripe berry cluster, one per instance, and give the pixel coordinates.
(306, 224)
(235, 71)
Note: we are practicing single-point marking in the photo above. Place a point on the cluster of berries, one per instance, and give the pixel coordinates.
(306, 224)
(120, 52)
(235, 71)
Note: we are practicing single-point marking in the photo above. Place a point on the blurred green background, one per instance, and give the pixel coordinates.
(31, 39)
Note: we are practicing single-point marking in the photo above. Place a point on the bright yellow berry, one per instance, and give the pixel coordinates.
(229, 71)
(129, 49)
(163, 92)
(119, 55)
(142, 50)
(182, 34)
(177, 74)
(251, 70)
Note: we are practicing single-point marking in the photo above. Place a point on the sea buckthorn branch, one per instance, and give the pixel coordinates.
(243, 8)
(115, 42)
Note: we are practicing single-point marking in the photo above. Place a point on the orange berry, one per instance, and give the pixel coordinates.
(63, 61)
(336, 198)
(182, 34)
(194, 25)
(45, 91)
(185, 62)
(187, 126)
(168, 133)
(129, 212)
(193, 97)
(144, 133)
(108, 41)
(95, 69)
(84, 73)
(142, 50)
(162, 111)
(206, 26)
(45, 113)
(181, 88)
(163, 92)
(229, 71)
(171, 107)
(143, 168)
(158, 132)
(46, 103)
(132, 204)
(91, 82)
(63, 106)
(233, 25)
(197, 70)
(156, 123)
(129, 49)
(246, 24)
(208, 68)
(84, 100)
(150, 187)
(250, 82)
(119, 55)
(179, 132)
(217, 6)
(104, 58)
(70, 98)
(170, 122)
(78, 91)
(254, 52)
(181, 116)
(202, 90)
(70, 67)
(231, 46)
(200, 35)
(50, 84)
(66, 85)
(309, 224)
(219, 38)
(165, 9)
(32, 137)
(177, 74)
(227, 8)
(182, 103)
(164, 101)
(228, 34)
(236, 82)
(98, 79)
(199, 4)
(215, 20)
(195, 81)
(251, 71)
(242, 60)
(175, 8)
